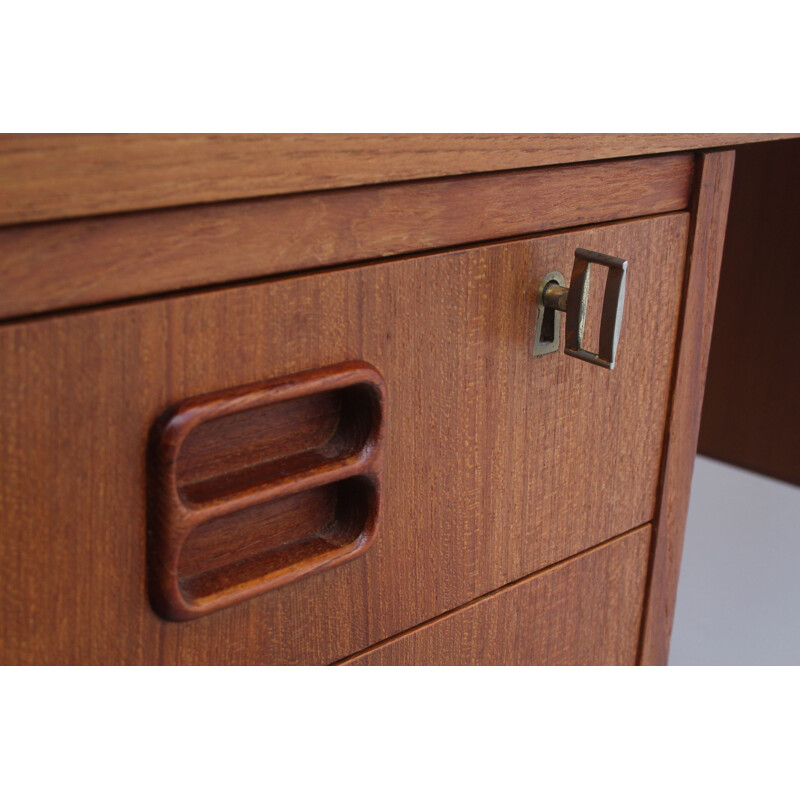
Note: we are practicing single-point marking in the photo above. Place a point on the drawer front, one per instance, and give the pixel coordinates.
(78, 262)
(584, 611)
(495, 464)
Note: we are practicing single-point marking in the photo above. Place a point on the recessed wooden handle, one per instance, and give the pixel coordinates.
(256, 487)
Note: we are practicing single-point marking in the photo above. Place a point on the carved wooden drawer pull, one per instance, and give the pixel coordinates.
(253, 488)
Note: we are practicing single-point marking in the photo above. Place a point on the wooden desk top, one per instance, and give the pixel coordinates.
(57, 176)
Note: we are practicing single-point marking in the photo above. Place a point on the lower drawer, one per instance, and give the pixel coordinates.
(584, 611)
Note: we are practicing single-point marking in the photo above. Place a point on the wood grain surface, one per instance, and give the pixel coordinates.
(77, 263)
(584, 611)
(496, 464)
(705, 256)
(53, 176)
(751, 411)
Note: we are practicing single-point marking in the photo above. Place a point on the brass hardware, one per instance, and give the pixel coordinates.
(548, 324)
(554, 296)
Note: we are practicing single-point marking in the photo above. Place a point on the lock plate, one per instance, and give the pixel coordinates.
(548, 322)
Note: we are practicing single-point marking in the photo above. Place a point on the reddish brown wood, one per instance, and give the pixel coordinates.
(584, 611)
(82, 262)
(51, 176)
(256, 487)
(496, 464)
(751, 411)
(705, 255)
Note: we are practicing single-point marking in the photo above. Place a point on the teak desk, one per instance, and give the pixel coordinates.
(278, 399)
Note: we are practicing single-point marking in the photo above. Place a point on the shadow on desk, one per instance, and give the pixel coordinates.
(739, 590)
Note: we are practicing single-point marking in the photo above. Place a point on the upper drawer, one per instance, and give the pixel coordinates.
(495, 463)
(86, 261)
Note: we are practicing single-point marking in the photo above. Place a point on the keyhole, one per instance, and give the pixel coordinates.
(548, 329)
(548, 323)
